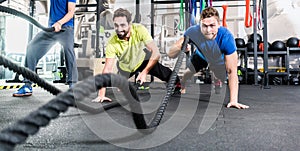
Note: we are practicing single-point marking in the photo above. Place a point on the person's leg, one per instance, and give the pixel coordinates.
(164, 74)
(219, 76)
(219, 71)
(194, 64)
(187, 75)
(159, 71)
(36, 49)
(66, 39)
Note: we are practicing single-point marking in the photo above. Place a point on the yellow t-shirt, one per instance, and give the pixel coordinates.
(129, 53)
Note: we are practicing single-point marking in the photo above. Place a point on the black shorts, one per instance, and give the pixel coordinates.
(196, 63)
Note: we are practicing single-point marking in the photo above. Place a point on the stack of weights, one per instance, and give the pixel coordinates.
(240, 43)
(293, 42)
(250, 44)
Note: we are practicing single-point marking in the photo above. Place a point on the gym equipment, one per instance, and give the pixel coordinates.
(248, 16)
(26, 17)
(261, 46)
(292, 42)
(251, 38)
(240, 42)
(250, 46)
(224, 15)
(278, 46)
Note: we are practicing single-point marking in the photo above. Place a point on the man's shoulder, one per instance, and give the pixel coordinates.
(72, 1)
(193, 28)
(113, 39)
(138, 26)
(224, 31)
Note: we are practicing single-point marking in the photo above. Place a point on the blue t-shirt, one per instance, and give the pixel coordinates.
(212, 51)
(58, 9)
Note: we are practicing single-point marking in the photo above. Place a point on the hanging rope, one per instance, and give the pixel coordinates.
(260, 15)
(224, 15)
(193, 12)
(202, 5)
(181, 16)
(248, 16)
(210, 3)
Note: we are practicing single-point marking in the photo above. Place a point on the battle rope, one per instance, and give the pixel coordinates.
(18, 133)
(32, 76)
(28, 74)
(30, 125)
(26, 17)
(155, 122)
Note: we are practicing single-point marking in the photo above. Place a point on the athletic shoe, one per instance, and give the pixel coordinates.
(25, 90)
(177, 89)
(143, 86)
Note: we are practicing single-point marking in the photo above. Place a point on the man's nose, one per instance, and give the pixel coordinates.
(209, 29)
(118, 29)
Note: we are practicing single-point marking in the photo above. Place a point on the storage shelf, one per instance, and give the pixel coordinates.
(283, 54)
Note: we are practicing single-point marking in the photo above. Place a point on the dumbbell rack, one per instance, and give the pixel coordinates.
(294, 50)
(285, 62)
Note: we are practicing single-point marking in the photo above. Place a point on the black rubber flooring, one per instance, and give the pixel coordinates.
(196, 121)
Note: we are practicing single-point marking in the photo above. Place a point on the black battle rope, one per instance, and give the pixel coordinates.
(30, 125)
(20, 131)
(28, 74)
(24, 16)
(160, 112)
(32, 76)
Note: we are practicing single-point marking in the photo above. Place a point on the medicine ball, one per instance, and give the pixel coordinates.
(250, 46)
(240, 43)
(292, 42)
(251, 38)
(278, 46)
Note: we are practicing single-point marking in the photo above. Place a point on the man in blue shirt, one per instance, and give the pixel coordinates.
(60, 17)
(216, 48)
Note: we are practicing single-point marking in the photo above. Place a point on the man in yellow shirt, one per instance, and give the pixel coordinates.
(128, 45)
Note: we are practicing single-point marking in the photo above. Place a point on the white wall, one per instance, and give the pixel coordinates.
(283, 19)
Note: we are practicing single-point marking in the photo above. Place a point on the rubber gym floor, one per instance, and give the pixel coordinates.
(192, 121)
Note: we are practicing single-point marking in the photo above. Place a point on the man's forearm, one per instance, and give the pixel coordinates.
(152, 61)
(233, 88)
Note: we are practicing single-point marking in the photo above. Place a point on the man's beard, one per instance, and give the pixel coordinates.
(122, 36)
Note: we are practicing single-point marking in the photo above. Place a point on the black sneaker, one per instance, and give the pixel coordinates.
(177, 90)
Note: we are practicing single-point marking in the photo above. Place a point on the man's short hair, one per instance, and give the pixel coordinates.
(210, 12)
(121, 12)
